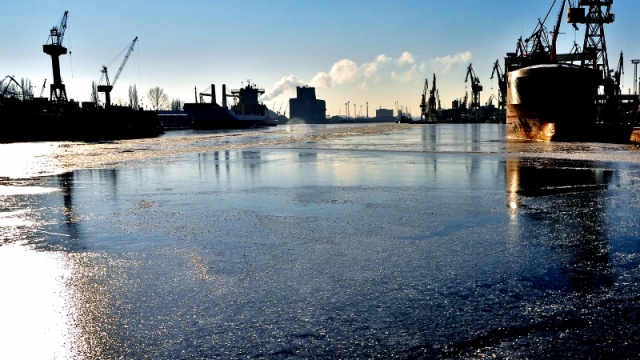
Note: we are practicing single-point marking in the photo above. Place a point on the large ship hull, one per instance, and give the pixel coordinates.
(556, 102)
(211, 116)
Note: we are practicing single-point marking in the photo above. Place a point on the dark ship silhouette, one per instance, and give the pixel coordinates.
(568, 97)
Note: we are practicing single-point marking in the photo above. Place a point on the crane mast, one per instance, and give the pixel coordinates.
(54, 48)
(106, 89)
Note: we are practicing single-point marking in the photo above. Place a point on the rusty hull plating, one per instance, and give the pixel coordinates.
(550, 102)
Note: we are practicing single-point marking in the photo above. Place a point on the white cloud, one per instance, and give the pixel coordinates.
(344, 71)
(405, 58)
(448, 61)
(373, 68)
(405, 76)
(322, 81)
(347, 71)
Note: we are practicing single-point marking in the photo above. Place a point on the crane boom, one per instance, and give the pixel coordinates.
(556, 31)
(44, 85)
(106, 89)
(126, 57)
(56, 34)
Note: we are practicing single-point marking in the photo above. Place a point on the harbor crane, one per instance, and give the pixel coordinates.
(502, 85)
(428, 106)
(44, 86)
(490, 100)
(433, 103)
(54, 48)
(594, 14)
(617, 75)
(424, 111)
(476, 88)
(8, 89)
(106, 89)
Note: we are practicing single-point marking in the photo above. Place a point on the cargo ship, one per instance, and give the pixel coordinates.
(246, 112)
(568, 97)
(247, 105)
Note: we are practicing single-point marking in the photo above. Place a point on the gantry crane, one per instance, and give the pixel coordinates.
(54, 48)
(594, 14)
(475, 89)
(502, 85)
(106, 89)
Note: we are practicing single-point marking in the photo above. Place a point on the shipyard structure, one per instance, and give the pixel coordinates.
(306, 108)
(58, 118)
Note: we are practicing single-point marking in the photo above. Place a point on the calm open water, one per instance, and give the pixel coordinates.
(346, 241)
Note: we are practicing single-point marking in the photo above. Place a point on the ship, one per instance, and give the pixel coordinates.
(568, 97)
(247, 106)
(246, 112)
(28, 118)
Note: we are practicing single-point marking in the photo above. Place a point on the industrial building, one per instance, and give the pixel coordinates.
(306, 107)
(384, 114)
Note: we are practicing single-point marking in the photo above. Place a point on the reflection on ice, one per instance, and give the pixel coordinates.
(37, 306)
(563, 205)
(314, 243)
(25, 160)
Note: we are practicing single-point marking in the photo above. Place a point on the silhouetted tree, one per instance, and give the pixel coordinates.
(94, 93)
(133, 97)
(176, 105)
(27, 91)
(158, 100)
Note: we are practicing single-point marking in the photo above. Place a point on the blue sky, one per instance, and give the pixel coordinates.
(376, 52)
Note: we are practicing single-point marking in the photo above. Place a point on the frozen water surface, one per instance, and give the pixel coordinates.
(346, 241)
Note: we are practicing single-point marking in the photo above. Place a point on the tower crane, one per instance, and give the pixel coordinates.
(106, 89)
(424, 112)
(502, 85)
(54, 48)
(475, 88)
